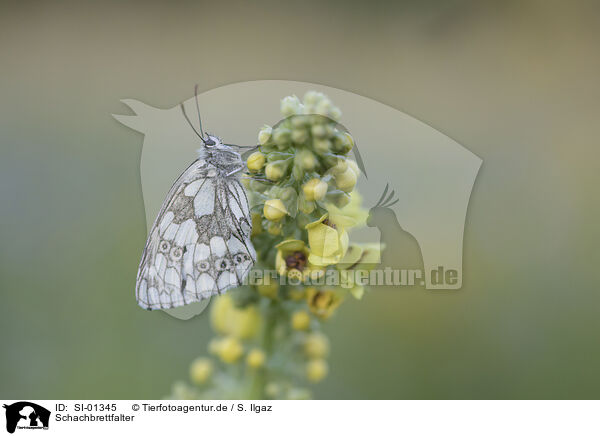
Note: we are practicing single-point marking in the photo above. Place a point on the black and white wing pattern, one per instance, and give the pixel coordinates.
(199, 244)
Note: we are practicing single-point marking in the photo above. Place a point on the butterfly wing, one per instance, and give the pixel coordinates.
(199, 244)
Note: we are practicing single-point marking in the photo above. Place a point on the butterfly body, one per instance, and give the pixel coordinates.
(199, 244)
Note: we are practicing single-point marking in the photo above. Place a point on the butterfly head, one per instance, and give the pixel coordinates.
(219, 154)
(213, 141)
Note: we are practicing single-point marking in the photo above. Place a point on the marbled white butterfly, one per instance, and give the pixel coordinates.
(199, 244)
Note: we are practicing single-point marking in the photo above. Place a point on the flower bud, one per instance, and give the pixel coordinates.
(300, 320)
(287, 193)
(274, 209)
(230, 350)
(298, 121)
(343, 142)
(316, 345)
(313, 97)
(256, 358)
(315, 189)
(315, 119)
(256, 161)
(214, 346)
(340, 166)
(290, 105)
(299, 135)
(316, 370)
(354, 166)
(346, 180)
(306, 207)
(306, 160)
(335, 113)
(324, 107)
(322, 145)
(319, 131)
(264, 135)
(274, 171)
(282, 136)
(200, 370)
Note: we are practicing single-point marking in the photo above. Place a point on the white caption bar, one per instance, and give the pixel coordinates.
(303, 417)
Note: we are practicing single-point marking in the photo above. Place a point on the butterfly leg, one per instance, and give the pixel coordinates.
(237, 170)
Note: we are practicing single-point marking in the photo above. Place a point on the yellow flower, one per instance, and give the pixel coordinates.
(357, 291)
(200, 370)
(361, 257)
(322, 303)
(300, 320)
(350, 215)
(274, 209)
(328, 242)
(314, 189)
(255, 358)
(228, 319)
(292, 261)
(230, 349)
(316, 370)
(316, 345)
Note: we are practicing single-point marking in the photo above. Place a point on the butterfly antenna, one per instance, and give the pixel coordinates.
(191, 125)
(198, 109)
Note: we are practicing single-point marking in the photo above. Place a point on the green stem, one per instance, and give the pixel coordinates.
(257, 389)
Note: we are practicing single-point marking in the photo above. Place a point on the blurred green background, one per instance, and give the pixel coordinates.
(516, 82)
